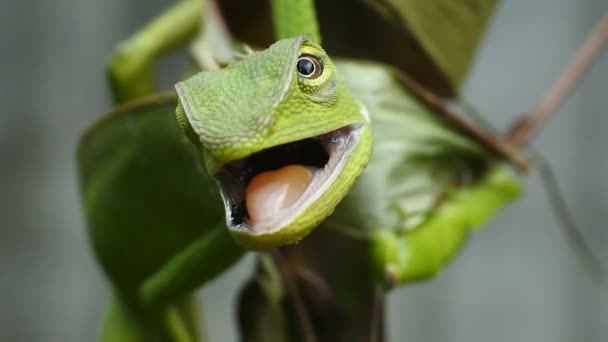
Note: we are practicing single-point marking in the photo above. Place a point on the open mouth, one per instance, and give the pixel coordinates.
(268, 189)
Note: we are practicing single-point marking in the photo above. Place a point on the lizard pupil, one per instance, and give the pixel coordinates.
(306, 67)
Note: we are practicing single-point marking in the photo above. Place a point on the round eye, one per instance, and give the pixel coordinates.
(309, 66)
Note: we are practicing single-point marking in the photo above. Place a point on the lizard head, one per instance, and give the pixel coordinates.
(281, 134)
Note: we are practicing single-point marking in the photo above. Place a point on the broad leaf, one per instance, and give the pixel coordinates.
(426, 187)
(448, 31)
(417, 156)
(145, 193)
(433, 41)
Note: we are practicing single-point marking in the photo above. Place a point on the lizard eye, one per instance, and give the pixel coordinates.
(309, 66)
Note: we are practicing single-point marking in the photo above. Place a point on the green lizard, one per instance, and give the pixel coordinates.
(263, 151)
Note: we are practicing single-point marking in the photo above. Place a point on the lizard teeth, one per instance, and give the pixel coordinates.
(271, 193)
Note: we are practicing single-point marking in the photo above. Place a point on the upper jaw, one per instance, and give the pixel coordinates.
(324, 156)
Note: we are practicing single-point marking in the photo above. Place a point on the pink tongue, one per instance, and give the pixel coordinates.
(271, 192)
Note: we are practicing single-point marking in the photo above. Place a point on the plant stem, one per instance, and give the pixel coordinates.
(489, 139)
(285, 268)
(526, 127)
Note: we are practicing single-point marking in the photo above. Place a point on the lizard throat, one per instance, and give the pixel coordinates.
(267, 190)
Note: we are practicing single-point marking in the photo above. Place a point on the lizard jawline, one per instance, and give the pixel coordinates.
(325, 154)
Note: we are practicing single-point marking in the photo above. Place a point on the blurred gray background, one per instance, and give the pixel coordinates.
(517, 280)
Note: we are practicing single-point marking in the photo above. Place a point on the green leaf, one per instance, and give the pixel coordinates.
(145, 193)
(417, 156)
(433, 41)
(402, 256)
(425, 189)
(448, 31)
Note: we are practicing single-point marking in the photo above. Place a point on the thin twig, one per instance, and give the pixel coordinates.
(526, 127)
(307, 330)
(592, 264)
(489, 139)
(583, 251)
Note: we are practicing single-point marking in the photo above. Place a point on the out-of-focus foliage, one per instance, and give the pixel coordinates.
(431, 40)
(448, 31)
(144, 193)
